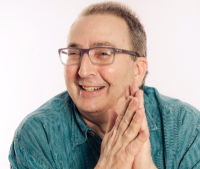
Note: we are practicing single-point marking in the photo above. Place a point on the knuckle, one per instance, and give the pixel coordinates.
(127, 136)
(137, 120)
(118, 121)
(131, 150)
(136, 145)
(119, 157)
(125, 121)
(130, 98)
(142, 109)
(135, 103)
(143, 136)
(113, 133)
(132, 132)
(139, 141)
(120, 117)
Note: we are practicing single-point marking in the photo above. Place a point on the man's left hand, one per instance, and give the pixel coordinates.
(143, 159)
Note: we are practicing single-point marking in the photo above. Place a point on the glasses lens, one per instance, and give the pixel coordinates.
(102, 55)
(70, 56)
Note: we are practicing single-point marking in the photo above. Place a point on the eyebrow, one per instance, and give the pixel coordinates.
(73, 45)
(95, 44)
(102, 44)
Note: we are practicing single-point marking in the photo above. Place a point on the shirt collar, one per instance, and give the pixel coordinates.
(79, 128)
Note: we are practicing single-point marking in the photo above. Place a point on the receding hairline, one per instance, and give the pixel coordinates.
(136, 29)
(137, 34)
(108, 14)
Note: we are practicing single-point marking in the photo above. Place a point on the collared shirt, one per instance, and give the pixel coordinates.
(56, 137)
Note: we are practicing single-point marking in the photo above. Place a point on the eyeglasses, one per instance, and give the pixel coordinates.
(97, 55)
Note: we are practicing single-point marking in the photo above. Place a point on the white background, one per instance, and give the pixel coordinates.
(32, 31)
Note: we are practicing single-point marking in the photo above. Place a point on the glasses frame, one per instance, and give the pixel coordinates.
(87, 51)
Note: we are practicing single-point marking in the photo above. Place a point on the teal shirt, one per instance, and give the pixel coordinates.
(55, 136)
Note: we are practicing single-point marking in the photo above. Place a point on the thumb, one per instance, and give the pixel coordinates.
(111, 120)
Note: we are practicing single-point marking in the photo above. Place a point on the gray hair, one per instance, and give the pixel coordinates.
(136, 29)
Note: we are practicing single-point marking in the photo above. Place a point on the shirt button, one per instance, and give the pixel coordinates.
(92, 133)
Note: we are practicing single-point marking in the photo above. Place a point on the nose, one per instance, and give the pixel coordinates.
(87, 68)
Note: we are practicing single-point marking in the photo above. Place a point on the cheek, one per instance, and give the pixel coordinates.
(111, 74)
(111, 70)
(70, 73)
(120, 74)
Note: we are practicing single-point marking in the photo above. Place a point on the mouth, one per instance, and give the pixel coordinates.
(91, 88)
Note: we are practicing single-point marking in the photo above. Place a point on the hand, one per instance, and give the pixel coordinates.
(143, 158)
(125, 136)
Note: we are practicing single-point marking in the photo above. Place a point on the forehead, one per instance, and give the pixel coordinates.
(99, 29)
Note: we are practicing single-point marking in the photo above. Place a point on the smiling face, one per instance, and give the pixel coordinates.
(97, 88)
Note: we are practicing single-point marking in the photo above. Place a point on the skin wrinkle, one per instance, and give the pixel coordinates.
(95, 44)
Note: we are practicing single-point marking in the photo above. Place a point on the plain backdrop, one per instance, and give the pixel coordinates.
(32, 31)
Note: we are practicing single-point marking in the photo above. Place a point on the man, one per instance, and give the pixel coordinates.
(107, 119)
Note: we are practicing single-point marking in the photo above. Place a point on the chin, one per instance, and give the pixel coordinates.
(89, 108)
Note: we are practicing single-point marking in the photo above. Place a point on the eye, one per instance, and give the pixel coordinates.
(107, 53)
(103, 53)
(73, 52)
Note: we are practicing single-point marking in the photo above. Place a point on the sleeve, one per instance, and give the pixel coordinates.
(21, 157)
(30, 147)
(191, 157)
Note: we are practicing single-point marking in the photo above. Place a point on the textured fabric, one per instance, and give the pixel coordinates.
(55, 136)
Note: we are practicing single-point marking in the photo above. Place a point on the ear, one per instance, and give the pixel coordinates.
(141, 67)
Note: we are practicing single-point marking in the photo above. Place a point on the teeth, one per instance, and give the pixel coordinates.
(91, 88)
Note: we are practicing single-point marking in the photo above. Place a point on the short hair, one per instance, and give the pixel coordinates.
(136, 29)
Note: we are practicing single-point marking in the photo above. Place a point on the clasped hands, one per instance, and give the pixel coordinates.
(126, 142)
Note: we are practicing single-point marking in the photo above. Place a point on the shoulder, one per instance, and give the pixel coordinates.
(171, 115)
(176, 129)
(55, 109)
(168, 105)
(41, 133)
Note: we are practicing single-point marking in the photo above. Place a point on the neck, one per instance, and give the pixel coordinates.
(96, 121)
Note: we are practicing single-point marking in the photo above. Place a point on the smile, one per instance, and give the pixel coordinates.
(91, 88)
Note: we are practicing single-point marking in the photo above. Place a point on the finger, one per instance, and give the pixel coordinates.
(134, 128)
(126, 120)
(118, 121)
(127, 92)
(144, 125)
(112, 115)
(109, 141)
(111, 120)
(121, 115)
(134, 88)
(134, 147)
(139, 95)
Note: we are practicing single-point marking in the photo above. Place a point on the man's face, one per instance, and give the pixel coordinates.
(111, 80)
